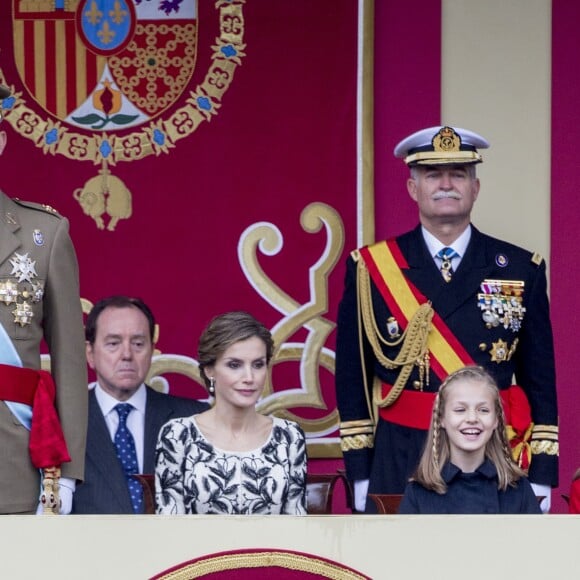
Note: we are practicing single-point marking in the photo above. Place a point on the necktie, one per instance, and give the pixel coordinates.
(446, 255)
(127, 455)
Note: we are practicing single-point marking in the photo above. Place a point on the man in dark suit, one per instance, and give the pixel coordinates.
(119, 344)
(419, 306)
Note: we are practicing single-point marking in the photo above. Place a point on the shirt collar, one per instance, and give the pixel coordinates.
(107, 403)
(459, 245)
(450, 471)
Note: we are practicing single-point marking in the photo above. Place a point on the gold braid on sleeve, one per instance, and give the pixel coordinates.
(413, 340)
(545, 440)
(356, 434)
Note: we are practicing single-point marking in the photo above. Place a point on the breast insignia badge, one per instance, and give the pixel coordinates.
(393, 328)
(23, 314)
(22, 289)
(501, 352)
(23, 267)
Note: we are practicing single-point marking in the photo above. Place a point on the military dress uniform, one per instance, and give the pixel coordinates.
(402, 330)
(39, 300)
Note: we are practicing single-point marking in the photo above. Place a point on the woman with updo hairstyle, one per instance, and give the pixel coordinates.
(231, 459)
(467, 466)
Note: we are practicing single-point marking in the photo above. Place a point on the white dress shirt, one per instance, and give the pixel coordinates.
(459, 245)
(135, 420)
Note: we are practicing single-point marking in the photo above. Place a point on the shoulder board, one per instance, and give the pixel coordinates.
(38, 206)
(537, 258)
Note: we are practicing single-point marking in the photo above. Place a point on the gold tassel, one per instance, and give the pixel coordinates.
(414, 350)
(50, 498)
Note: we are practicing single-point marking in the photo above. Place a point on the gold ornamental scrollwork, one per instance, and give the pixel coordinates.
(311, 354)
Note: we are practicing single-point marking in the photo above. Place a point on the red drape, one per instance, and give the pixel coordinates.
(564, 275)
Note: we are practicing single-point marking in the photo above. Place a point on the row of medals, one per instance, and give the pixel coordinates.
(501, 303)
(22, 290)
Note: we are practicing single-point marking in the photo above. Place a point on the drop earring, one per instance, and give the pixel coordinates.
(211, 387)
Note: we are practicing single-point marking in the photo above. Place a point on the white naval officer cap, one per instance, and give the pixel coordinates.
(441, 145)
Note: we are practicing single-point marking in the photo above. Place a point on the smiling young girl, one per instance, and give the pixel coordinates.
(231, 459)
(466, 467)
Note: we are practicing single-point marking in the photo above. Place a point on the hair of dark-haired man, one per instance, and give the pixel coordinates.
(119, 301)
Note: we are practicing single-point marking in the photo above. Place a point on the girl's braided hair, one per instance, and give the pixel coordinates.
(437, 452)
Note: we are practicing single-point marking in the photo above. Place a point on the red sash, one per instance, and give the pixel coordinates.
(36, 388)
(411, 409)
(414, 409)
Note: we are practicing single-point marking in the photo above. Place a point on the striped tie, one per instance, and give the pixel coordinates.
(446, 255)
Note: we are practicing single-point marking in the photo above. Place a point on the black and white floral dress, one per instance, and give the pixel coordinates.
(194, 477)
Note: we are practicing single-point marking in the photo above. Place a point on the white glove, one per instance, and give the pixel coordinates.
(361, 487)
(545, 491)
(66, 488)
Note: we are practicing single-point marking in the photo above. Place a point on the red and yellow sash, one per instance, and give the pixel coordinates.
(385, 262)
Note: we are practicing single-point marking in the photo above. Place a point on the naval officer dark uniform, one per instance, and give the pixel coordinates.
(493, 312)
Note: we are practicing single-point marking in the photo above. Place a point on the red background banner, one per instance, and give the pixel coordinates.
(565, 209)
(284, 137)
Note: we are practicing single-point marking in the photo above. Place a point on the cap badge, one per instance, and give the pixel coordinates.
(446, 140)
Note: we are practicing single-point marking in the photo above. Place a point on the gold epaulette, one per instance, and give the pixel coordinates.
(545, 440)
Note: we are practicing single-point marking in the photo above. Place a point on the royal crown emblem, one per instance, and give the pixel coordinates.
(446, 140)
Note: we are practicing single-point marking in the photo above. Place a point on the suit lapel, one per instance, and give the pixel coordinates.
(102, 452)
(10, 224)
(422, 269)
